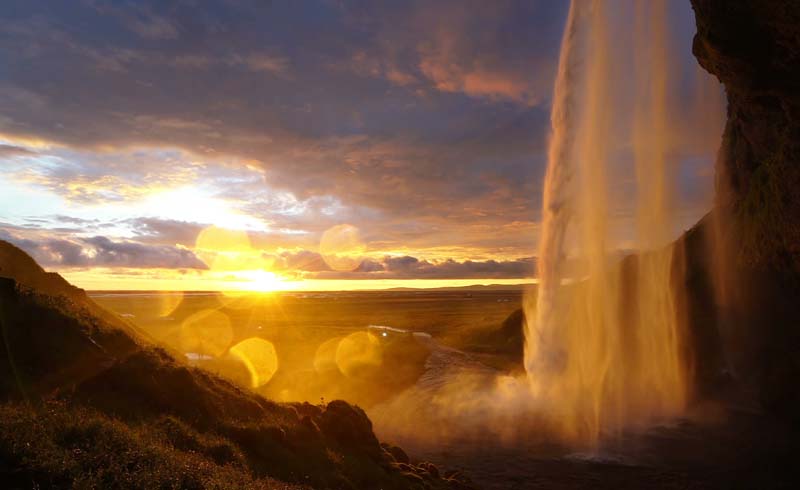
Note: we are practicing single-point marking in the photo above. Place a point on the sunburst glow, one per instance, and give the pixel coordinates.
(262, 281)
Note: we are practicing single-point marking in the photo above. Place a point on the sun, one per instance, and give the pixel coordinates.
(260, 281)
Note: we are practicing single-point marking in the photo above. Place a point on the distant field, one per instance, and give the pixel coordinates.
(316, 316)
(298, 324)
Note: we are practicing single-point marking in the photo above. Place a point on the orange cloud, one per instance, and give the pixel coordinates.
(476, 80)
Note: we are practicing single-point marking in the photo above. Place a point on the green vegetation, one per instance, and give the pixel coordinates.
(59, 446)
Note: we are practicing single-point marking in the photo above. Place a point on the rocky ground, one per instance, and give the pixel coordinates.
(456, 417)
(745, 451)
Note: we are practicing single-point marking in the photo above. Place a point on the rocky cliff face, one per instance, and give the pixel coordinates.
(753, 47)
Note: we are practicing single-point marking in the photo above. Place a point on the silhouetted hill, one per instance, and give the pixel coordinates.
(51, 343)
(86, 403)
(17, 265)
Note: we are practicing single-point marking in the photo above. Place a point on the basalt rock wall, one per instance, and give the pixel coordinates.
(753, 48)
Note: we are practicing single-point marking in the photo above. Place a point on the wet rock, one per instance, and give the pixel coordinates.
(403, 467)
(429, 468)
(309, 423)
(413, 477)
(306, 408)
(396, 453)
(349, 425)
(452, 474)
(753, 48)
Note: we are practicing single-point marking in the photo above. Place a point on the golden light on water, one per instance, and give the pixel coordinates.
(260, 358)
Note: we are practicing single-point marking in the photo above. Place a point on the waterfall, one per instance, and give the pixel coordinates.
(603, 341)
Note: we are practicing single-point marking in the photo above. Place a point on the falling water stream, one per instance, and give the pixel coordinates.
(603, 343)
(604, 347)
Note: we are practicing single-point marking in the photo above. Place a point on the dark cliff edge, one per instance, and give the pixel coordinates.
(85, 402)
(753, 48)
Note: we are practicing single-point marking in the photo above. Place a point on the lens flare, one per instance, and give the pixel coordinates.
(231, 258)
(341, 247)
(222, 239)
(260, 358)
(167, 302)
(325, 356)
(358, 352)
(207, 333)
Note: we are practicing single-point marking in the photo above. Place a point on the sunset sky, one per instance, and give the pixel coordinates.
(211, 145)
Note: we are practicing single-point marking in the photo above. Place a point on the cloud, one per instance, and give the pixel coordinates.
(50, 249)
(109, 253)
(502, 51)
(100, 251)
(300, 261)
(311, 265)
(153, 27)
(140, 19)
(326, 130)
(423, 123)
(264, 63)
(412, 267)
(477, 80)
(164, 231)
(452, 61)
(14, 151)
(95, 177)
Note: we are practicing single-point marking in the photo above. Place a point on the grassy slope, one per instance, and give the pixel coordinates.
(63, 447)
(88, 405)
